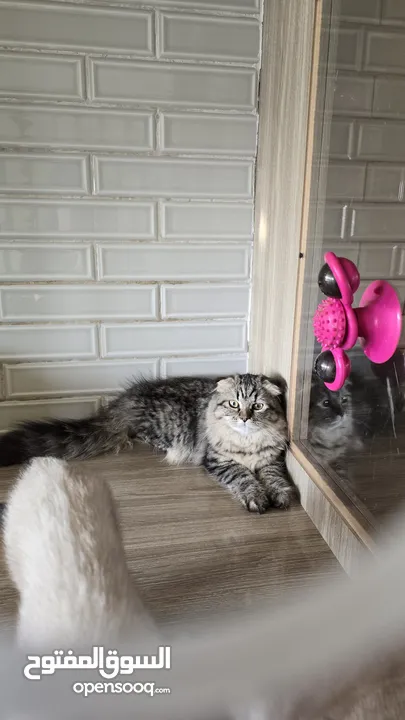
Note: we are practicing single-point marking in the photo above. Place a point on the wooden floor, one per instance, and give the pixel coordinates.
(191, 547)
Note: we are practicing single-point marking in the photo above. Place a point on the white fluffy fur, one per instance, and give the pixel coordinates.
(65, 555)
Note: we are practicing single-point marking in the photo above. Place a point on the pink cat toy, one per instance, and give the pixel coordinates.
(337, 326)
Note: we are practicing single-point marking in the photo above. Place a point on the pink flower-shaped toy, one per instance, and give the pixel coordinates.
(337, 326)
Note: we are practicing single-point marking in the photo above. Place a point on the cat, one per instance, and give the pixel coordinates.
(333, 429)
(65, 556)
(347, 421)
(235, 427)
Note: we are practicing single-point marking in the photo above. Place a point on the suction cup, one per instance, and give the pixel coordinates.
(393, 369)
(379, 321)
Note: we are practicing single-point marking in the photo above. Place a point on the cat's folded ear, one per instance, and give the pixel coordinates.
(225, 385)
(275, 385)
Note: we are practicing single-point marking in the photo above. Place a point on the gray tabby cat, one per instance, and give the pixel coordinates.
(235, 427)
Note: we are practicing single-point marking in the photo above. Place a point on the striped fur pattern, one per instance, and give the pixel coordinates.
(235, 427)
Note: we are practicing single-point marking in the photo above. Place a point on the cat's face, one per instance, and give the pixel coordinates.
(329, 409)
(251, 403)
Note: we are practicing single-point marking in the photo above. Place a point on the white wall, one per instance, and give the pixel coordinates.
(127, 144)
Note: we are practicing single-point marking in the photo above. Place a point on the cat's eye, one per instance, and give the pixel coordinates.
(233, 404)
(257, 406)
(325, 403)
(344, 400)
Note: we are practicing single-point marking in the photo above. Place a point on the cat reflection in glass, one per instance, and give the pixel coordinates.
(353, 419)
(333, 429)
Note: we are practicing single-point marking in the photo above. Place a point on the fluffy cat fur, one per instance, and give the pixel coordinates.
(65, 555)
(332, 428)
(235, 427)
(345, 422)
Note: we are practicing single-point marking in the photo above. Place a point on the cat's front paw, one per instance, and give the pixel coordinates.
(280, 499)
(280, 491)
(254, 499)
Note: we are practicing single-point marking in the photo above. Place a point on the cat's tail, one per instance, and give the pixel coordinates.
(64, 439)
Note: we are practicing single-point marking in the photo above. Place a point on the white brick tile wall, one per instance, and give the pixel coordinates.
(62, 302)
(78, 28)
(173, 177)
(207, 221)
(29, 342)
(57, 174)
(349, 48)
(14, 412)
(380, 261)
(189, 301)
(361, 10)
(353, 94)
(209, 38)
(73, 378)
(251, 6)
(381, 140)
(393, 12)
(26, 261)
(228, 134)
(385, 52)
(400, 267)
(346, 181)
(67, 127)
(377, 222)
(76, 219)
(215, 366)
(341, 138)
(168, 338)
(389, 97)
(161, 261)
(128, 140)
(335, 220)
(174, 84)
(43, 76)
(385, 183)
